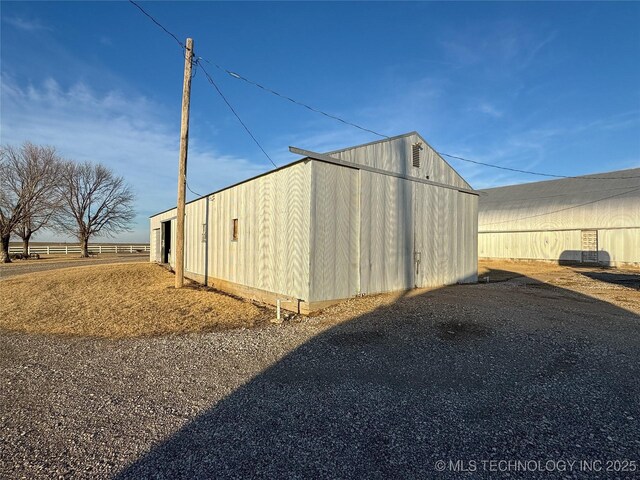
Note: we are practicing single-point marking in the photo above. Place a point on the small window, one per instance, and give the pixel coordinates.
(234, 231)
(415, 154)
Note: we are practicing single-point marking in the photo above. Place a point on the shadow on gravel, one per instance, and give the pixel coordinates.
(473, 372)
(623, 279)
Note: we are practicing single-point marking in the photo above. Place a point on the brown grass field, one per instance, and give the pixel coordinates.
(72, 257)
(116, 301)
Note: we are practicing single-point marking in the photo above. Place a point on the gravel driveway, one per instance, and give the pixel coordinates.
(505, 371)
(19, 267)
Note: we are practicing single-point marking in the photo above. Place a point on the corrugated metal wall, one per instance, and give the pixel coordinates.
(368, 229)
(530, 245)
(335, 232)
(317, 231)
(622, 246)
(615, 246)
(272, 250)
(386, 234)
(543, 220)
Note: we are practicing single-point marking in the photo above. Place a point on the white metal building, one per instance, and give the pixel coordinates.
(384, 216)
(590, 219)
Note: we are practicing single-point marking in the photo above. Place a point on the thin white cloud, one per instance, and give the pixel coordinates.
(489, 109)
(504, 43)
(128, 133)
(26, 24)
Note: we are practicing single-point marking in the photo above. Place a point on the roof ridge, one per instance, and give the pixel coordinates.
(586, 176)
(395, 137)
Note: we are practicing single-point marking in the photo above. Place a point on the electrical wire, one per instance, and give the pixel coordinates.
(189, 188)
(212, 82)
(209, 78)
(292, 100)
(335, 117)
(579, 177)
(182, 45)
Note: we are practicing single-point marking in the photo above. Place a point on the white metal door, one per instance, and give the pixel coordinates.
(157, 245)
(589, 246)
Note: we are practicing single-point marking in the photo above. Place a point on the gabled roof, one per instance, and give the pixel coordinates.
(295, 162)
(404, 135)
(603, 200)
(335, 161)
(382, 140)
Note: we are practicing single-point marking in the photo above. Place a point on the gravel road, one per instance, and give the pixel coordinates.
(471, 373)
(20, 267)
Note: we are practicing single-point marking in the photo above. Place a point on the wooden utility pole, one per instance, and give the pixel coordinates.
(182, 167)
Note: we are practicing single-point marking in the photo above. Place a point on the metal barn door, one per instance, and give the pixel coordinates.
(157, 245)
(589, 246)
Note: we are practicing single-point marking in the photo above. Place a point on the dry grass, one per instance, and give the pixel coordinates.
(121, 300)
(72, 257)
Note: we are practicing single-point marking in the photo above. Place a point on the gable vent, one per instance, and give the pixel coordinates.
(415, 154)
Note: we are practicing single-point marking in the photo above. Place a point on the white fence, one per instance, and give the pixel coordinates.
(67, 249)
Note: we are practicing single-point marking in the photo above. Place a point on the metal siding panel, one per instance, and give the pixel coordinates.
(335, 232)
(386, 239)
(430, 229)
(473, 246)
(531, 245)
(272, 250)
(621, 246)
(366, 233)
(194, 247)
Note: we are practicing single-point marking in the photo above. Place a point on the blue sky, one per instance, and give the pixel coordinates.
(552, 87)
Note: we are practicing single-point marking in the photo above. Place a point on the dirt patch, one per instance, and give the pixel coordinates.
(116, 301)
(618, 286)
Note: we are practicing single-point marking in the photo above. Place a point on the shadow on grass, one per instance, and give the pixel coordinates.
(472, 372)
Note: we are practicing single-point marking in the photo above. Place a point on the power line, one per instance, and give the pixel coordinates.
(580, 177)
(212, 82)
(292, 100)
(158, 23)
(251, 82)
(189, 188)
(335, 117)
(297, 102)
(209, 78)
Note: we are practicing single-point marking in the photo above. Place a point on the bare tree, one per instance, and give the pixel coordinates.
(94, 202)
(29, 178)
(39, 210)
